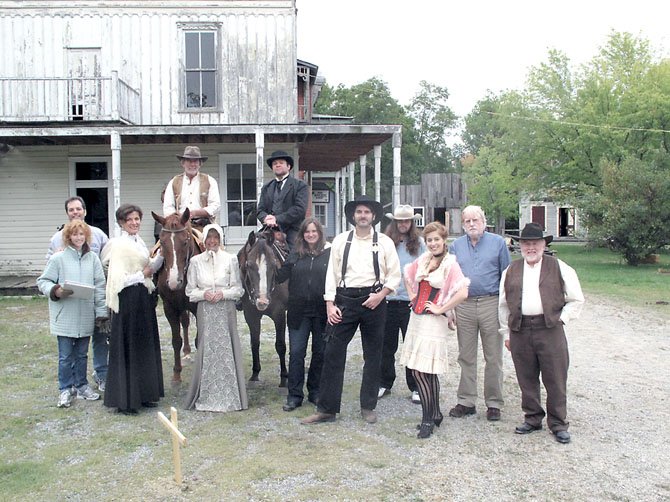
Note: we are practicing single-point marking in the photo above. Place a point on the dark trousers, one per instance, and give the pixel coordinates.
(298, 339)
(371, 323)
(538, 350)
(397, 318)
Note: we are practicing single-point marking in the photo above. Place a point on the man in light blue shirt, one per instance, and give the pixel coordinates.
(483, 257)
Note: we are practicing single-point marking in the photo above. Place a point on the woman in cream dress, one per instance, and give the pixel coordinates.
(218, 382)
(435, 285)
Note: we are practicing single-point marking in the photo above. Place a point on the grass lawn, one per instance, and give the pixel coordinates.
(604, 273)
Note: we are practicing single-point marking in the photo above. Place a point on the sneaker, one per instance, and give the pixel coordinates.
(65, 399)
(416, 399)
(85, 392)
(382, 392)
(100, 383)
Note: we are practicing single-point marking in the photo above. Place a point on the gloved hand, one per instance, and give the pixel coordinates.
(62, 292)
(103, 324)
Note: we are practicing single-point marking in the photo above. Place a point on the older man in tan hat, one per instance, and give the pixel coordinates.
(192, 189)
(410, 245)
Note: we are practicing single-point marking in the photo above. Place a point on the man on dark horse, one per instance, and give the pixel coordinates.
(283, 200)
(194, 190)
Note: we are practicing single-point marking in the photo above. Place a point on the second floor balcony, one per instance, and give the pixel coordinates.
(62, 99)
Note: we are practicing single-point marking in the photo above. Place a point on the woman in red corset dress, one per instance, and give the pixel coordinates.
(435, 285)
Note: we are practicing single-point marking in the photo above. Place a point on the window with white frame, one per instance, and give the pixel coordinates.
(320, 212)
(200, 67)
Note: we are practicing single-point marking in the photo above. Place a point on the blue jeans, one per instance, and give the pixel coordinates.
(298, 339)
(100, 354)
(72, 360)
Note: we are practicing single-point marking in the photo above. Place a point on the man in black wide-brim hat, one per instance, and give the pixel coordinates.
(538, 296)
(363, 269)
(283, 200)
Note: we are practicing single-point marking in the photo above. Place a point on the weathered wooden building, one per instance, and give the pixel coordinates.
(97, 97)
(438, 195)
(560, 220)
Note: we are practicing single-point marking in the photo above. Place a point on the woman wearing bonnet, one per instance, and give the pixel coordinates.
(214, 283)
(135, 374)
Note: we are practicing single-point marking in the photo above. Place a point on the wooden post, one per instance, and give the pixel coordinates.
(177, 439)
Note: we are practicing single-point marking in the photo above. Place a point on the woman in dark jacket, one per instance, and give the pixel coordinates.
(306, 268)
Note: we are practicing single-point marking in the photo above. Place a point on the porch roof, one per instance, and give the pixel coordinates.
(321, 147)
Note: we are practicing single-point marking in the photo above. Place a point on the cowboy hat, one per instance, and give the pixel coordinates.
(193, 153)
(375, 207)
(533, 232)
(280, 154)
(403, 212)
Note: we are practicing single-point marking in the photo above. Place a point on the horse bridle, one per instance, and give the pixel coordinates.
(189, 252)
(246, 280)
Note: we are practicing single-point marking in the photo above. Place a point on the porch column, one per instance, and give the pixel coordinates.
(378, 172)
(364, 161)
(115, 141)
(338, 201)
(260, 145)
(352, 179)
(397, 143)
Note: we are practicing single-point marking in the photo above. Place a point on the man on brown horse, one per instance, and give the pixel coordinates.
(193, 190)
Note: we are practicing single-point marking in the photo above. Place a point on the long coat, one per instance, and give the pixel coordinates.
(73, 317)
(293, 200)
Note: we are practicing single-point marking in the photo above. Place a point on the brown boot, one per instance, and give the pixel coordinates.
(318, 418)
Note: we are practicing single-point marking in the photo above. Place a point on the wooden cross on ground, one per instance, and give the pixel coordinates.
(177, 439)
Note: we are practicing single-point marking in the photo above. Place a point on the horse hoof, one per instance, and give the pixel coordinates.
(254, 378)
(187, 357)
(283, 382)
(176, 379)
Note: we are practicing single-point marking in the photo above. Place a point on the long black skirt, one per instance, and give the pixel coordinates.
(135, 372)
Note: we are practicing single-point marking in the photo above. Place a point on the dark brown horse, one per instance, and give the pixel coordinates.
(260, 259)
(177, 246)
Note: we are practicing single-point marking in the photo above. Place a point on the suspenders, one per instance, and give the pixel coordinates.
(377, 286)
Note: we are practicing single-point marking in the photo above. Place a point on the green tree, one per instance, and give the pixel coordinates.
(631, 212)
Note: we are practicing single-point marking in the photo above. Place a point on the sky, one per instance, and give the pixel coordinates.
(470, 46)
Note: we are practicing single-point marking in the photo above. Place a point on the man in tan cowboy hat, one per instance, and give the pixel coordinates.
(538, 296)
(283, 200)
(193, 189)
(363, 269)
(410, 245)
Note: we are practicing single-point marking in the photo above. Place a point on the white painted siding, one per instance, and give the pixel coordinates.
(142, 40)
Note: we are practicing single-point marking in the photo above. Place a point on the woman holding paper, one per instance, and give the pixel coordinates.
(218, 382)
(73, 316)
(135, 374)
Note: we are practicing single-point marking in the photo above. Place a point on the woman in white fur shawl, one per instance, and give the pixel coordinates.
(135, 374)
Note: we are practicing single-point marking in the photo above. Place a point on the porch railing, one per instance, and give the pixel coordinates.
(46, 99)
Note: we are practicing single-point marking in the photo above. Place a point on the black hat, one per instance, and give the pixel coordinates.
(375, 207)
(280, 154)
(533, 232)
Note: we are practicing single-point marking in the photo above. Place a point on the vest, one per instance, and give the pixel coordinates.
(177, 182)
(551, 292)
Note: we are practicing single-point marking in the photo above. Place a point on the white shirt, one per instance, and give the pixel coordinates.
(360, 271)
(190, 196)
(214, 271)
(531, 303)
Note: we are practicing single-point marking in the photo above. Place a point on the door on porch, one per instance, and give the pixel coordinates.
(84, 84)
(238, 189)
(89, 179)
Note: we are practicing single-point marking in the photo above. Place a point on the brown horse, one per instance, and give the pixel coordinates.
(177, 246)
(260, 259)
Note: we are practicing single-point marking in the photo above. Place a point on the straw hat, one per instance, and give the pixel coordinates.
(403, 212)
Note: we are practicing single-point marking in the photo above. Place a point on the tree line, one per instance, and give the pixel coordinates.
(595, 136)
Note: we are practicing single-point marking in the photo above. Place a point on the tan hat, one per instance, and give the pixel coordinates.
(403, 212)
(192, 152)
